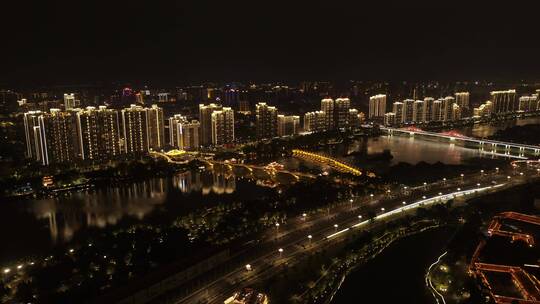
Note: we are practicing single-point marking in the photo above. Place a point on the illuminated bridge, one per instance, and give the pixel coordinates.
(335, 164)
(485, 146)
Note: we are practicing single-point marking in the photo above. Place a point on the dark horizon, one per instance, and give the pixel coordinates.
(189, 41)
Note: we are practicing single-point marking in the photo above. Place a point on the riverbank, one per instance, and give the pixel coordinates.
(392, 277)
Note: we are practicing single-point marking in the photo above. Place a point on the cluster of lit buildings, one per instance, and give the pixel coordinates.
(269, 124)
(100, 134)
(450, 108)
(92, 134)
(334, 114)
(423, 111)
(506, 102)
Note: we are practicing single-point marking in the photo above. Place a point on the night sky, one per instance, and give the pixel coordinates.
(187, 41)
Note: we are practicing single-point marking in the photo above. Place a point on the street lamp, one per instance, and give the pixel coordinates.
(497, 169)
(309, 238)
(508, 177)
(359, 217)
(304, 216)
(458, 189)
(248, 267)
(404, 203)
(336, 226)
(280, 250)
(351, 201)
(382, 209)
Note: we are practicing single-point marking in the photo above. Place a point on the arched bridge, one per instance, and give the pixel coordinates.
(335, 164)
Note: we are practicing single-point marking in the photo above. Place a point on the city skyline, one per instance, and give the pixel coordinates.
(243, 152)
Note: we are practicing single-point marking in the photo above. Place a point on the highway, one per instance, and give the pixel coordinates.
(300, 236)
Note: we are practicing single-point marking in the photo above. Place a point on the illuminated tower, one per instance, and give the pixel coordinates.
(98, 133)
(156, 128)
(341, 109)
(135, 130)
(288, 125)
(205, 119)
(222, 126)
(265, 121)
(503, 101)
(327, 106)
(377, 106)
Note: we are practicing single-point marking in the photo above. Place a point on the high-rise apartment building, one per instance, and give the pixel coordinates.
(427, 112)
(377, 106)
(456, 112)
(397, 109)
(418, 111)
(462, 100)
(222, 126)
(98, 134)
(50, 137)
(266, 121)
(244, 106)
(60, 136)
(448, 103)
(484, 109)
(528, 103)
(408, 108)
(341, 110)
(183, 134)
(135, 130)
(327, 106)
(32, 131)
(315, 121)
(288, 125)
(389, 119)
(355, 118)
(70, 102)
(205, 119)
(156, 127)
(437, 113)
(503, 101)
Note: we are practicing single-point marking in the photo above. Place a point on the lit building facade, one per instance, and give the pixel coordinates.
(377, 106)
(222, 126)
(156, 128)
(288, 125)
(341, 109)
(135, 130)
(503, 101)
(266, 121)
(462, 100)
(327, 106)
(98, 134)
(315, 121)
(184, 134)
(205, 120)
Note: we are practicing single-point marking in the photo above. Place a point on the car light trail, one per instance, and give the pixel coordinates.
(429, 201)
(337, 233)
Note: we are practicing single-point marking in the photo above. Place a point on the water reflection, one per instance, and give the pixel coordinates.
(205, 182)
(98, 208)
